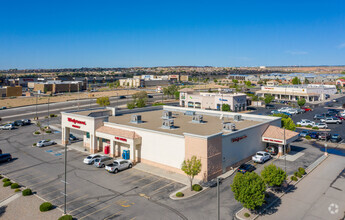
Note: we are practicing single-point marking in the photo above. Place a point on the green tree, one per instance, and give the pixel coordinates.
(306, 81)
(130, 105)
(234, 80)
(177, 95)
(288, 124)
(268, 98)
(141, 103)
(191, 167)
(273, 176)
(248, 83)
(343, 72)
(301, 102)
(249, 189)
(255, 98)
(103, 101)
(215, 80)
(296, 81)
(226, 108)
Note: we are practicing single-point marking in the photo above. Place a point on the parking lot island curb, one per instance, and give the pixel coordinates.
(173, 195)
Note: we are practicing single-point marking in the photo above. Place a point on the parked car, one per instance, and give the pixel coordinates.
(342, 113)
(5, 157)
(246, 168)
(7, 127)
(150, 96)
(18, 123)
(3, 108)
(300, 110)
(268, 106)
(261, 157)
(26, 121)
(285, 113)
(318, 117)
(122, 97)
(103, 161)
(275, 112)
(314, 135)
(331, 120)
(292, 111)
(272, 150)
(324, 136)
(72, 137)
(306, 122)
(117, 165)
(307, 109)
(251, 108)
(43, 143)
(340, 117)
(335, 138)
(321, 125)
(336, 111)
(304, 133)
(0, 151)
(91, 158)
(334, 100)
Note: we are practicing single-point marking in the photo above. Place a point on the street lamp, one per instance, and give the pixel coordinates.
(326, 149)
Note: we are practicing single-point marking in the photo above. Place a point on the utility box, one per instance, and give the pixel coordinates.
(168, 123)
(237, 117)
(136, 119)
(167, 115)
(197, 119)
(228, 126)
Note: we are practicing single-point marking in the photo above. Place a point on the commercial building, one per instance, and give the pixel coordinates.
(310, 92)
(168, 135)
(340, 82)
(189, 98)
(8, 91)
(131, 82)
(57, 86)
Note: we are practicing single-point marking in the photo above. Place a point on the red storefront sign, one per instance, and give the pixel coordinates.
(121, 139)
(74, 121)
(75, 126)
(237, 139)
(277, 141)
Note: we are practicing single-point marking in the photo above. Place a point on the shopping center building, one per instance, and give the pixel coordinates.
(165, 136)
(310, 92)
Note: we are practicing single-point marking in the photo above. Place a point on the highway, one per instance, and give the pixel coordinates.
(13, 114)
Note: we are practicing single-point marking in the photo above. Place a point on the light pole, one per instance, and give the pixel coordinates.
(284, 150)
(65, 182)
(48, 111)
(36, 106)
(218, 200)
(326, 149)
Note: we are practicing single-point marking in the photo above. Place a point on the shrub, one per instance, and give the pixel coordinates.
(299, 175)
(246, 215)
(157, 104)
(34, 144)
(5, 180)
(298, 125)
(66, 217)
(46, 206)
(301, 170)
(293, 178)
(309, 126)
(315, 128)
(17, 190)
(52, 115)
(1, 177)
(15, 186)
(27, 192)
(8, 183)
(307, 137)
(197, 187)
(130, 105)
(179, 194)
(49, 132)
(37, 132)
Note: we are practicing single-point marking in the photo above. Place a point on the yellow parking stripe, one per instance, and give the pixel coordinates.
(83, 206)
(95, 211)
(112, 215)
(161, 188)
(72, 201)
(151, 183)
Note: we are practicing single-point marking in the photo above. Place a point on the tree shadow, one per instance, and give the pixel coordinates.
(2, 210)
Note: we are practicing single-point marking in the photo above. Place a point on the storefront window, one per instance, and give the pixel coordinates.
(190, 104)
(197, 105)
(87, 135)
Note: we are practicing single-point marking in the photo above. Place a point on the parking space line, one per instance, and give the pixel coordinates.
(33, 178)
(151, 183)
(35, 184)
(140, 179)
(67, 195)
(109, 217)
(50, 185)
(30, 174)
(161, 188)
(73, 200)
(52, 191)
(129, 176)
(96, 211)
(83, 206)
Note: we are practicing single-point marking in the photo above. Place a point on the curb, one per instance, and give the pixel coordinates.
(182, 198)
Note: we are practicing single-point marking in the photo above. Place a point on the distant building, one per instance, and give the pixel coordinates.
(272, 83)
(131, 82)
(58, 86)
(236, 101)
(341, 82)
(9, 91)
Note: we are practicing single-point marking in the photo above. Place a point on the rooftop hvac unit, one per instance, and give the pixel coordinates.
(168, 124)
(136, 119)
(197, 119)
(167, 115)
(227, 126)
(237, 117)
(190, 113)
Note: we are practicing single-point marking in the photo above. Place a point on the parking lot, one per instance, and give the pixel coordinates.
(92, 192)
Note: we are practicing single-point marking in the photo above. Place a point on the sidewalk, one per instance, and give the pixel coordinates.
(321, 194)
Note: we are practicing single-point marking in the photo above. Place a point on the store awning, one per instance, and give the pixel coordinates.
(118, 132)
(274, 134)
(286, 93)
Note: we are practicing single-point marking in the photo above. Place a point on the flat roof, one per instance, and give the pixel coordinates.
(152, 120)
(89, 112)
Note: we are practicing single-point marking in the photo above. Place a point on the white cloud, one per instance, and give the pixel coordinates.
(340, 46)
(296, 52)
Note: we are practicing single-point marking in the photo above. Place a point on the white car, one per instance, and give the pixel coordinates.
(306, 122)
(331, 120)
(6, 127)
(291, 111)
(117, 165)
(261, 157)
(342, 113)
(91, 158)
(284, 109)
(44, 143)
(321, 125)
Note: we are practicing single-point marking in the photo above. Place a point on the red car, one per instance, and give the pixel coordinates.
(340, 117)
(307, 109)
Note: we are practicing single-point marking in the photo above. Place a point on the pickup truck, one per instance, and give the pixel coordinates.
(261, 157)
(306, 122)
(331, 120)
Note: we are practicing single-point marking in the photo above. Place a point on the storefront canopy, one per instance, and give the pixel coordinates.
(274, 134)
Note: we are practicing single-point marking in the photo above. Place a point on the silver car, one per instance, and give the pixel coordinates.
(44, 143)
(7, 127)
(118, 165)
(103, 161)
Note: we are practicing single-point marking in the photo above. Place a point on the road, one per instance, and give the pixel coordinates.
(13, 114)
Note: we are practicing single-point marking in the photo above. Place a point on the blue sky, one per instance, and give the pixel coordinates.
(72, 34)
